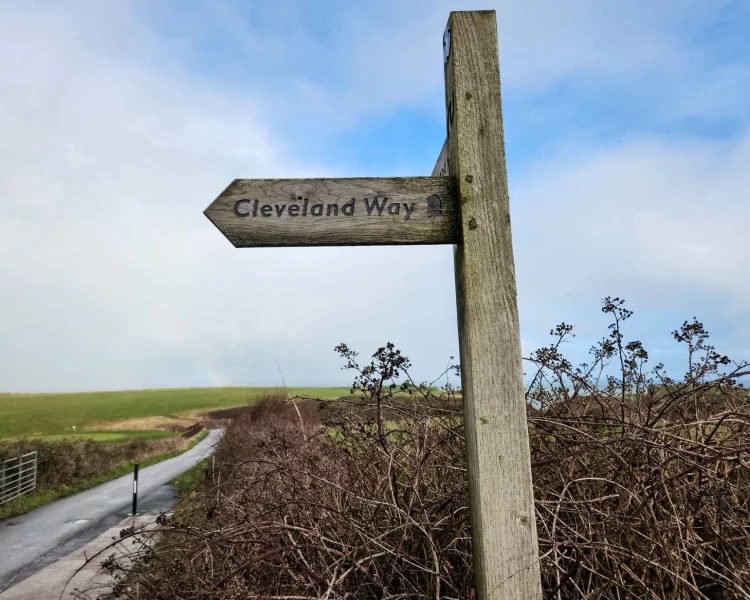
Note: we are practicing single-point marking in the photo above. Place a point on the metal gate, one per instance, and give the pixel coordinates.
(17, 476)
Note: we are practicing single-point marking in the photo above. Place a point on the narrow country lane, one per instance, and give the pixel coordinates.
(29, 541)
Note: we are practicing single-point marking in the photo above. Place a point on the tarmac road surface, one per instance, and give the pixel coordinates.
(32, 541)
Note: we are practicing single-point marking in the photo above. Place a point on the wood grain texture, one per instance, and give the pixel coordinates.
(337, 212)
(506, 559)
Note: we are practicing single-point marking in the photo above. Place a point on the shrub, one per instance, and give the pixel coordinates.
(68, 462)
(641, 486)
(641, 482)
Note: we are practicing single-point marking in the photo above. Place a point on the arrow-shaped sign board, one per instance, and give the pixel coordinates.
(337, 212)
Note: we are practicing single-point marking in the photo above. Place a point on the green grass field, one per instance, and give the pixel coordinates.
(53, 414)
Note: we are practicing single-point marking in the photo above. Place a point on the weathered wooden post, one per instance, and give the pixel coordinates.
(506, 558)
(464, 203)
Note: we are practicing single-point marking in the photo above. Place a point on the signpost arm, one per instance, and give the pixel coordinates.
(506, 559)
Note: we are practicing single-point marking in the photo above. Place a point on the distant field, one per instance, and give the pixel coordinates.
(44, 414)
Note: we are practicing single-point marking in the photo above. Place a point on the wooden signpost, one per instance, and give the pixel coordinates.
(465, 203)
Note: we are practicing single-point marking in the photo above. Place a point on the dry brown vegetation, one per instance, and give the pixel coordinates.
(642, 487)
(642, 481)
(176, 424)
(71, 461)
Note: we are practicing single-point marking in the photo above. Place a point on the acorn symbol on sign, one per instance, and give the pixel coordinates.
(434, 208)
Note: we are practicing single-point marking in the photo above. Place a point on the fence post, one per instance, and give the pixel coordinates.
(36, 467)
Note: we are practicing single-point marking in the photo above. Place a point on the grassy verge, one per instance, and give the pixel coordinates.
(29, 502)
(189, 480)
(199, 437)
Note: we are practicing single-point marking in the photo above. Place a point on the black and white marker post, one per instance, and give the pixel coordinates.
(135, 489)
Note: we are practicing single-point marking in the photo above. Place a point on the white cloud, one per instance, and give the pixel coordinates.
(111, 148)
(109, 265)
(388, 55)
(661, 223)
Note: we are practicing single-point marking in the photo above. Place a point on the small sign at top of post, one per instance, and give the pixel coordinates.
(465, 203)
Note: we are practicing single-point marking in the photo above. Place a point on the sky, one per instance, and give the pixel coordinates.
(627, 131)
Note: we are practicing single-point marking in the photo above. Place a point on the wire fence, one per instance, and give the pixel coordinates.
(17, 476)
